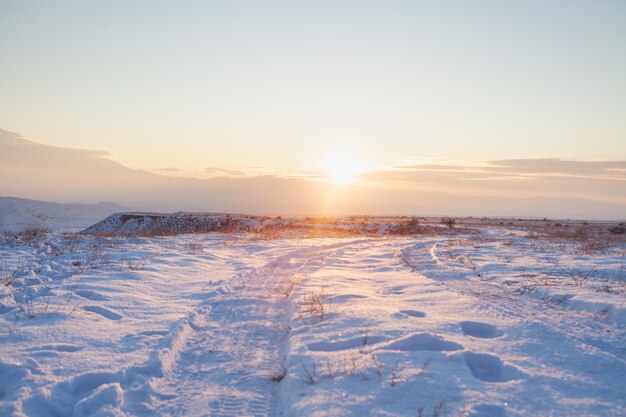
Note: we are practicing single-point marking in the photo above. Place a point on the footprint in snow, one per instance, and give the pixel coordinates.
(345, 344)
(481, 330)
(133, 340)
(423, 341)
(344, 298)
(153, 333)
(11, 376)
(398, 290)
(92, 295)
(370, 261)
(487, 410)
(413, 313)
(104, 312)
(490, 368)
(59, 347)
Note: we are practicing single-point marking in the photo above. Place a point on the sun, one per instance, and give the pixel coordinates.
(342, 168)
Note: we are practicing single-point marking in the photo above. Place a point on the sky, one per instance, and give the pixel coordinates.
(320, 107)
(285, 86)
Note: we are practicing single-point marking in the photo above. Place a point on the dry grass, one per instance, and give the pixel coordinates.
(582, 239)
(394, 377)
(136, 264)
(314, 307)
(193, 247)
(268, 233)
(9, 275)
(27, 236)
(310, 373)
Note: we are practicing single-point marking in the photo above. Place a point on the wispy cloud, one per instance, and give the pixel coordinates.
(554, 166)
(224, 172)
(604, 180)
(170, 169)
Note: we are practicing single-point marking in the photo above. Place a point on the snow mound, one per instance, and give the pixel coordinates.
(152, 224)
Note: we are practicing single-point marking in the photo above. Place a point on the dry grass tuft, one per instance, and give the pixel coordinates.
(28, 236)
(314, 307)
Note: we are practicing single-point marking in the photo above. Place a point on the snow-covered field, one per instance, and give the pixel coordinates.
(480, 320)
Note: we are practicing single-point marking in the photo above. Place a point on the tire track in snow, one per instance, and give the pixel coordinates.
(223, 365)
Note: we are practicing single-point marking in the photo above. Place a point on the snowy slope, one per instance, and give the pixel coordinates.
(486, 322)
(18, 213)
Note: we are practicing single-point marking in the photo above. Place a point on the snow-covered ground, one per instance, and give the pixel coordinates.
(485, 321)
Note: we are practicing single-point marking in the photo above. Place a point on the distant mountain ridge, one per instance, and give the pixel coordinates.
(18, 213)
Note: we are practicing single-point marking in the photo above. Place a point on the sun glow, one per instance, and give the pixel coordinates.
(342, 168)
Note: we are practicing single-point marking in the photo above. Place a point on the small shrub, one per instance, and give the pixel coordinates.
(136, 264)
(7, 275)
(580, 276)
(193, 247)
(70, 241)
(310, 375)
(314, 307)
(448, 221)
(379, 365)
(329, 369)
(356, 366)
(395, 374)
(31, 304)
(620, 229)
(406, 228)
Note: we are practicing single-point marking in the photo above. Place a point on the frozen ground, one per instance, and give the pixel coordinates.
(487, 320)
